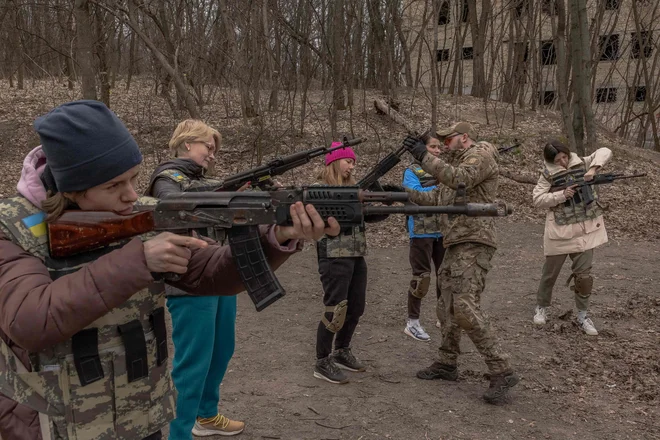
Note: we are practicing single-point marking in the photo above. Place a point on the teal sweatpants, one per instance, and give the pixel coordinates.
(203, 332)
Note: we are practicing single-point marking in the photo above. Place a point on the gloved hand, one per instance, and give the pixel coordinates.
(416, 147)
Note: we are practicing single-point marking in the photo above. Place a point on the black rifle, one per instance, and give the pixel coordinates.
(210, 213)
(583, 187)
(370, 181)
(262, 175)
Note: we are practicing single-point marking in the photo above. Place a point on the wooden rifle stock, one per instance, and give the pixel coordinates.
(78, 231)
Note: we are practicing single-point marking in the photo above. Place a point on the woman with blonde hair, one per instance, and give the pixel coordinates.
(203, 328)
(343, 273)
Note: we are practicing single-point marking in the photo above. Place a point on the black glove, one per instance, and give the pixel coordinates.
(415, 147)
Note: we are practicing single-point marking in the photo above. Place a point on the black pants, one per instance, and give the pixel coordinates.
(342, 279)
(423, 252)
(155, 436)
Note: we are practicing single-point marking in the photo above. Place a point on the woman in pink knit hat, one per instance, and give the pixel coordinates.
(343, 273)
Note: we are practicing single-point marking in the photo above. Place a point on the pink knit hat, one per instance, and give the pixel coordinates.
(340, 153)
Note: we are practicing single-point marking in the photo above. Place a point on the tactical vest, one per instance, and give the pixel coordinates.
(573, 210)
(425, 223)
(351, 242)
(186, 182)
(110, 380)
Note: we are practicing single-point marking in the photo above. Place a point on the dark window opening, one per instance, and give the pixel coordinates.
(547, 97)
(549, 7)
(606, 94)
(519, 8)
(638, 94)
(444, 16)
(609, 47)
(468, 53)
(465, 15)
(548, 54)
(639, 39)
(612, 5)
(442, 55)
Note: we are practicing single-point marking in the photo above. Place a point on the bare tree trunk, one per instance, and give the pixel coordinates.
(398, 25)
(647, 78)
(434, 68)
(478, 26)
(132, 13)
(585, 96)
(561, 73)
(583, 118)
(337, 37)
(102, 31)
(85, 49)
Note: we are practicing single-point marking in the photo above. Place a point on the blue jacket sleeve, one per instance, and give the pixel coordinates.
(411, 181)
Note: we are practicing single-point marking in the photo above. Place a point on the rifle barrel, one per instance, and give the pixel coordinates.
(469, 209)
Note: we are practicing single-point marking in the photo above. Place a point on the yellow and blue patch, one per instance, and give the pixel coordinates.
(177, 176)
(36, 223)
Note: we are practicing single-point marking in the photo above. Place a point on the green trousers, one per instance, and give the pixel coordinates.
(581, 265)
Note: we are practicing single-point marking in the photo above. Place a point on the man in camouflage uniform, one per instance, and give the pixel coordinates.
(470, 243)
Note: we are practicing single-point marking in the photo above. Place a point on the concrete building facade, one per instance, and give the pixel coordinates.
(520, 53)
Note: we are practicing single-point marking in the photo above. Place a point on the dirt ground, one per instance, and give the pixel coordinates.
(572, 387)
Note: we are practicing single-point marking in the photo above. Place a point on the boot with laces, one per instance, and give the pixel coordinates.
(327, 370)
(343, 358)
(439, 371)
(499, 387)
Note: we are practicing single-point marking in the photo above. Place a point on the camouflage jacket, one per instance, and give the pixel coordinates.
(477, 167)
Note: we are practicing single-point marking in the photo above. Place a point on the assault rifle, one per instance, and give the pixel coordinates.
(262, 175)
(583, 188)
(210, 213)
(370, 181)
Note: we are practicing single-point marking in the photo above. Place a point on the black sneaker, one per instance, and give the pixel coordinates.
(439, 371)
(345, 359)
(327, 370)
(499, 387)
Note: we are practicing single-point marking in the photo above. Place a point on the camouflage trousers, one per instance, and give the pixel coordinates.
(462, 280)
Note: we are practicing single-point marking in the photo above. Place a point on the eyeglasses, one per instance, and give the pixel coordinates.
(448, 139)
(208, 145)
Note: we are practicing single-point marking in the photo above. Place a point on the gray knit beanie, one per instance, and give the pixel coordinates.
(85, 145)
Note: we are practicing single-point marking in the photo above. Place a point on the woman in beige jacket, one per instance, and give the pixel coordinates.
(573, 226)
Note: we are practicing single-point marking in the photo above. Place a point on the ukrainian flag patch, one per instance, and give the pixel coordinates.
(36, 223)
(177, 176)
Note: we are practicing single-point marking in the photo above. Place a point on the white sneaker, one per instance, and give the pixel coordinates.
(416, 331)
(588, 327)
(540, 316)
